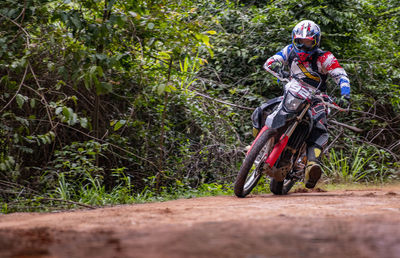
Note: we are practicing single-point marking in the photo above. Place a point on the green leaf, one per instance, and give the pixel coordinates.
(170, 88)
(103, 88)
(92, 70)
(119, 124)
(110, 4)
(150, 26)
(160, 88)
(84, 122)
(204, 38)
(134, 15)
(101, 56)
(52, 135)
(75, 99)
(67, 112)
(59, 110)
(77, 23)
(74, 119)
(59, 84)
(32, 103)
(20, 100)
(51, 66)
(100, 71)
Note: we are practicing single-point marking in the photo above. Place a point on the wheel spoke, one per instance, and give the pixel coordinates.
(256, 172)
(252, 167)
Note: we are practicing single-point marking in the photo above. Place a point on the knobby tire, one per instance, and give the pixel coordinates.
(281, 188)
(276, 186)
(287, 185)
(240, 181)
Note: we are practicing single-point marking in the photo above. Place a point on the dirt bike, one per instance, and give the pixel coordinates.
(279, 150)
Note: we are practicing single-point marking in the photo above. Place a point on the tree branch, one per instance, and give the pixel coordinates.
(19, 88)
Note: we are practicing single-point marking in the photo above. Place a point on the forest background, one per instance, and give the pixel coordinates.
(117, 101)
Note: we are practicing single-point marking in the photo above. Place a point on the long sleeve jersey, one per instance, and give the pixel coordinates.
(326, 63)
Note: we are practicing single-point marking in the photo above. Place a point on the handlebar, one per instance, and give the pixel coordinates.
(330, 102)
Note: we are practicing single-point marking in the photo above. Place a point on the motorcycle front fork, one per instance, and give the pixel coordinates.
(281, 145)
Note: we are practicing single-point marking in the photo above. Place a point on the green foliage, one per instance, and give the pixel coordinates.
(106, 102)
(357, 165)
(262, 186)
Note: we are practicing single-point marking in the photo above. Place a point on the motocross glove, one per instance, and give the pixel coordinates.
(284, 74)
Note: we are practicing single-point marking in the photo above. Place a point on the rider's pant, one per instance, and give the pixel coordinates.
(318, 136)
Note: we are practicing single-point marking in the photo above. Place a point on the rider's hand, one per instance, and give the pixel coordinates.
(344, 101)
(283, 74)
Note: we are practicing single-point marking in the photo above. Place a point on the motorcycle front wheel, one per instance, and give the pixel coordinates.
(252, 168)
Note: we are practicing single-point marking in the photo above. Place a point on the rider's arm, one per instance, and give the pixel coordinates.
(330, 65)
(275, 62)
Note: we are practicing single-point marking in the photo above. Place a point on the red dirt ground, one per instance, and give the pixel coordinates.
(357, 223)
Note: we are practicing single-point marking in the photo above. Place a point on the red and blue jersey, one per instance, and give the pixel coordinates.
(326, 63)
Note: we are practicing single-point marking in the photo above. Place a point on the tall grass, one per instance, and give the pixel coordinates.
(354, 166)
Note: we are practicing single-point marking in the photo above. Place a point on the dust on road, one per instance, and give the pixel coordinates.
(358, 223)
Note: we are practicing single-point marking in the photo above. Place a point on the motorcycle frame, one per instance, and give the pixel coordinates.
(281, 145)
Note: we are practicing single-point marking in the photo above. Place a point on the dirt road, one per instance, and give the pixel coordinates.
(360, 223)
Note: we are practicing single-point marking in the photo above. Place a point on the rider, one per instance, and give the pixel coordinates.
(304, 56)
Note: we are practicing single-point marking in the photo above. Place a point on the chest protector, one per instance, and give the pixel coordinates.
(310, 79)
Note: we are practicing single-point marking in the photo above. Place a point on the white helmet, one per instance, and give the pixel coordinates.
(306, 30)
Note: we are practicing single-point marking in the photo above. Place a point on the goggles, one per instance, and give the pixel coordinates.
(305, 43)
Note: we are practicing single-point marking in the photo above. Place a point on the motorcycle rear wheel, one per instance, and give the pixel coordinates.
(276, 186)
(245, 182)
(282, 187)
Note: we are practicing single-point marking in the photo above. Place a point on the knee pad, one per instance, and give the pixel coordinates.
(255, 132)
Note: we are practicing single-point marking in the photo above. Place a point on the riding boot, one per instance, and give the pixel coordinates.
(313, 169)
